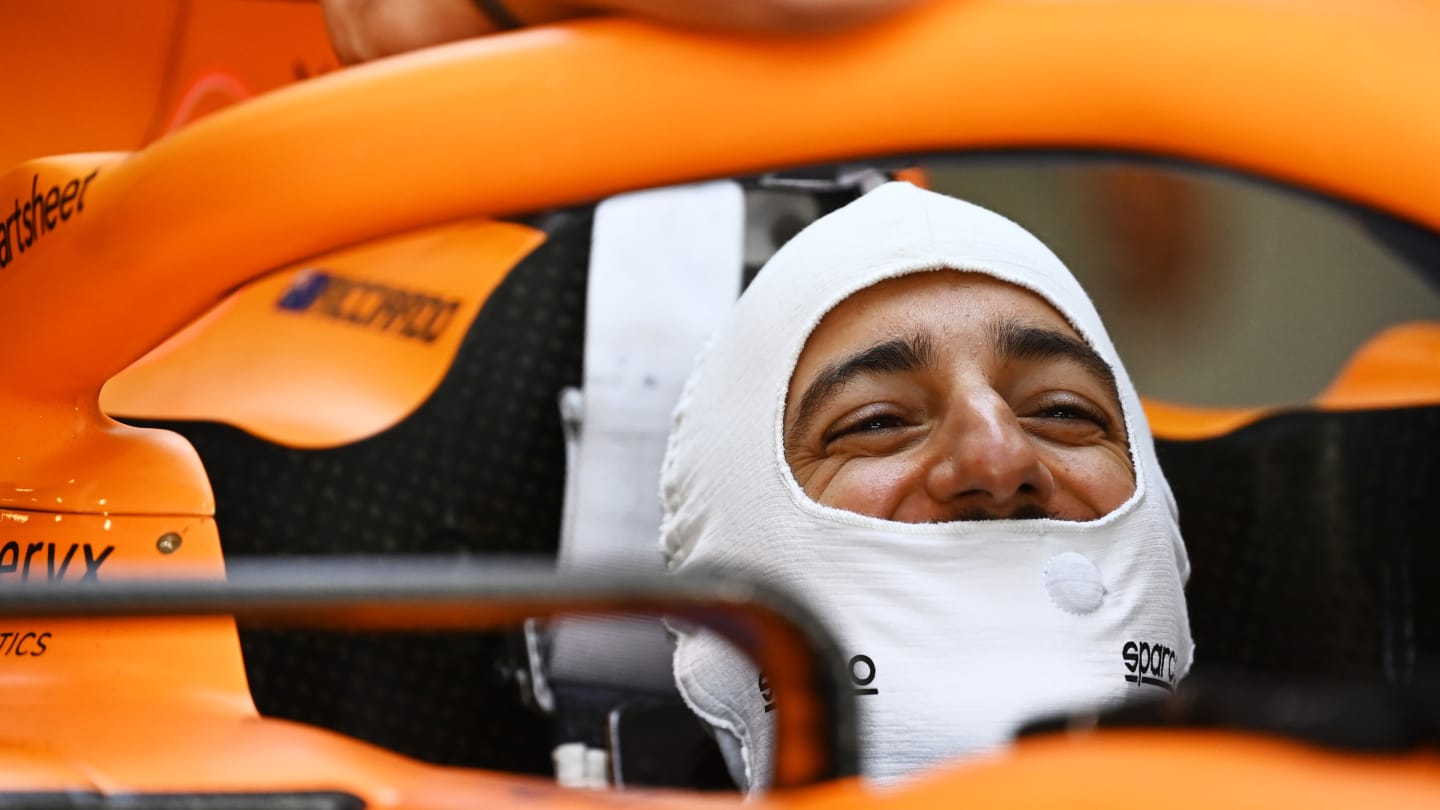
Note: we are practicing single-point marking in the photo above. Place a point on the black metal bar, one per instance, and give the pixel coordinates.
(800, 657)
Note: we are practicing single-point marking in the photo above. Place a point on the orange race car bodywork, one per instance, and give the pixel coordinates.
(144, 268)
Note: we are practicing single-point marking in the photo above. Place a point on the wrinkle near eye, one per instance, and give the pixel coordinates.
(951, 354)
(889, 357)
(1016, 342)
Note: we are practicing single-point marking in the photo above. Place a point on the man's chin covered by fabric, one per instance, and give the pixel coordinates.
(914, 421)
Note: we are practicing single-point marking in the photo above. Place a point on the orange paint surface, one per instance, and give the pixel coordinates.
(524, 122)
(110, 76)
(1398, 368)
(335, 350)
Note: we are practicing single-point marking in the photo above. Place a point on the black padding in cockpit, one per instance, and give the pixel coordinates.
(1310, 542)
(478, 469)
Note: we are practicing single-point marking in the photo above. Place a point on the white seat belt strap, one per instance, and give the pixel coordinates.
(665, 266)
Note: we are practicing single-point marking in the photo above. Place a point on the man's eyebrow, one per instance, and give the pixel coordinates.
(895, 356)
(1017, 341)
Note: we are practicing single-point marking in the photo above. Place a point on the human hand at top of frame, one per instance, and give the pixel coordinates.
(368, 29)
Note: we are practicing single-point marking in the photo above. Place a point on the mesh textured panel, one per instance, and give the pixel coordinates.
(1309, 538)
(479, 468)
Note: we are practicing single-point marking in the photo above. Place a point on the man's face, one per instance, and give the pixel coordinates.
(942, 396)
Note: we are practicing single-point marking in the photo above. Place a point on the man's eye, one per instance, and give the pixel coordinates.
(864, 426)
(1072, 412)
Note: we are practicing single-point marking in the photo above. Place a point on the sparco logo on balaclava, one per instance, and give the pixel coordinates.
(1149, 664)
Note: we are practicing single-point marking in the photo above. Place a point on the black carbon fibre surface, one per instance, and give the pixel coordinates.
(1310, 544)
(478, 469)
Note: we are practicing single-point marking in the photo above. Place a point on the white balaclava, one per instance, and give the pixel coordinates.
(960, 632)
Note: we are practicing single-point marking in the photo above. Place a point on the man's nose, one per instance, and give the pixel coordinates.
(986, 462)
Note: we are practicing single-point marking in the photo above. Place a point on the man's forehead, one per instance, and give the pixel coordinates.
(931, 301)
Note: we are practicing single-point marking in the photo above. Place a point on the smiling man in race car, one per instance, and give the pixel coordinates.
(915, 421)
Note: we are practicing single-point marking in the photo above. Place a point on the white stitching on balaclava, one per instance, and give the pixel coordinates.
(959, 632)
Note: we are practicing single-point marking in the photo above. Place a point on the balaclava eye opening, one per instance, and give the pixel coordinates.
(959, 632)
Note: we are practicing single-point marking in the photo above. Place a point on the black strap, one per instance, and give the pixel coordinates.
(499, 14)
